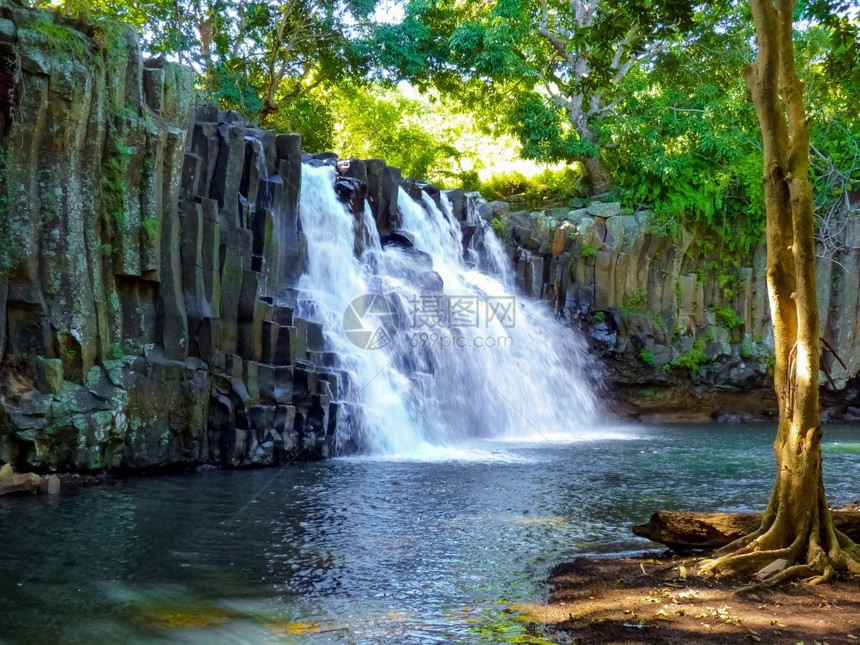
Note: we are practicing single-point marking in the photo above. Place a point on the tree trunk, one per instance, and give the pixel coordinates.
(599, 179)
(797, 530)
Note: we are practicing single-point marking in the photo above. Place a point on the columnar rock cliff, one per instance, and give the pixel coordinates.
(148, 248)
(682, 324)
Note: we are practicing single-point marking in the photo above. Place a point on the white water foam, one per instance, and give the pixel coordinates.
(472, 358)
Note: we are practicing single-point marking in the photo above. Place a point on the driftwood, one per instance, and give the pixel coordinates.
(684, 531)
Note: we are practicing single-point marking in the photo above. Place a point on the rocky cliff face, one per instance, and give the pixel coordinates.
(149, 245)
(683, 327)
(148, 248)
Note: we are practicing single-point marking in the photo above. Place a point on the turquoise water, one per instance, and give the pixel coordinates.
(362, 550)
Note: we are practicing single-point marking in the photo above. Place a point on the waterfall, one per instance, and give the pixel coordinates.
(450, 352)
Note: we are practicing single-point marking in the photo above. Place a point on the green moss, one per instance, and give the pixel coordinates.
(499, 228)
(115, 165)
(117, 352)
(131, 115)
(600, 316)
(152, 227)
(634, 302)
(545, 225)
(64, 43)
(693, 359)
(747, 350)
(504, 627)
(647, 356)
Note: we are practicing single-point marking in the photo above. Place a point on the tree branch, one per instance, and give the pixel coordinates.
(606, 109)
(634, 61)
(553, 38)
(584, 11)
(628, 40)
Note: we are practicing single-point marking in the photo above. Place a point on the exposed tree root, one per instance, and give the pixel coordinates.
(818, 552)
(797, 571)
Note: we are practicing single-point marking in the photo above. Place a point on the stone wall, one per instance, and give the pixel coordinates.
(149, 244)
(681, 323)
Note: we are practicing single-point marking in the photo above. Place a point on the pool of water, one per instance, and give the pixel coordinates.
(363, 550)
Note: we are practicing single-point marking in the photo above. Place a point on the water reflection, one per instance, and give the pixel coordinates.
(360, 550)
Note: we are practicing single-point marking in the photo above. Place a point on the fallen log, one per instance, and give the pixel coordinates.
(685, 531)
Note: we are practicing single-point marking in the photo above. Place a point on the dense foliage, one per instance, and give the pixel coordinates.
(263, 58)
(644, 98)
(557, 66)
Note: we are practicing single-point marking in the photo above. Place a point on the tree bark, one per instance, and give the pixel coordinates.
(797, 526)
(599, 179)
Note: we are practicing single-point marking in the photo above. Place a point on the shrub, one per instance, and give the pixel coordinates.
(693, 359)
(551, 187)
(499, 228)
(634, 302)
(728, 317)
(588, 251)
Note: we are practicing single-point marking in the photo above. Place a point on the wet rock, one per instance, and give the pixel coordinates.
(49, 374)
(8, 31)
(490, 210)
(457, 198)
(602, 334)
(20, 484)
(399, 238)
(51, 485)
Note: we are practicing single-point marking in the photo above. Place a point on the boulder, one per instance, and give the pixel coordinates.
(399, 238)
(495, 209)
(598, 209)
(25, 483)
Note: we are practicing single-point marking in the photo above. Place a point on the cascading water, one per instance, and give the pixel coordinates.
(470, 357)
